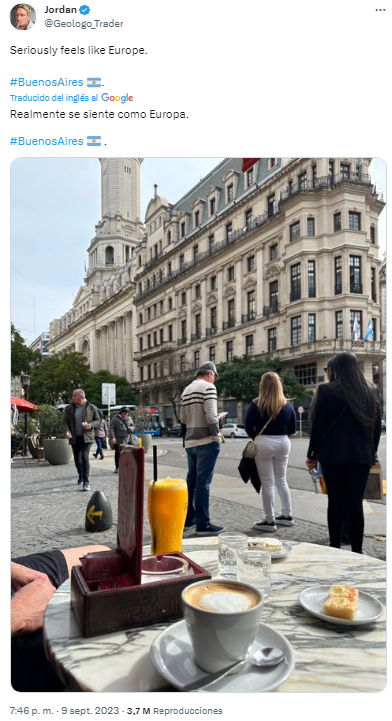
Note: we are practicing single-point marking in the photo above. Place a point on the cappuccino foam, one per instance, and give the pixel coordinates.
(221, 598)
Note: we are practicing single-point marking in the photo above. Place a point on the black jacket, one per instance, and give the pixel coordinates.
(336, 436)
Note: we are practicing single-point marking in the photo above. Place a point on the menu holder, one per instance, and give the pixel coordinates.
(107, 591)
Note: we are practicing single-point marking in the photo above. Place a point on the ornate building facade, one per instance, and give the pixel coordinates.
(280, 261)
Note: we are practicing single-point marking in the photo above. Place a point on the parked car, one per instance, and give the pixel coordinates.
(175, 430)
(234, 430)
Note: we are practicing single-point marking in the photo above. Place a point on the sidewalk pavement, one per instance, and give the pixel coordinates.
(48, 508)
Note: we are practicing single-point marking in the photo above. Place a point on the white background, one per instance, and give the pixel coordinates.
(291, 79)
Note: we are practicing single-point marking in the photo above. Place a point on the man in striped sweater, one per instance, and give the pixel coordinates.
(199, 412)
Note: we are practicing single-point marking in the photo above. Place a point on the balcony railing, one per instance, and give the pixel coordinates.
(338, 288)
(327, 181)
(228, 324)
(248, 317)
(212, 330)
(196, 336)
(295, 295)
(271, 309)
(356, 288)
(182, 341)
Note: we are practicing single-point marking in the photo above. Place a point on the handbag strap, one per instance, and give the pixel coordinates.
(332, 424)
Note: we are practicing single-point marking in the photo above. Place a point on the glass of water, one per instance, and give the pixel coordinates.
(229, 543)
(254, 567)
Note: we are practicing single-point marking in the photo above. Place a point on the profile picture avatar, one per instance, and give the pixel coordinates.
(22, 17)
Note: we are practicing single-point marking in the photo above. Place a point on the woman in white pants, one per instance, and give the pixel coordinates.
(270, 421)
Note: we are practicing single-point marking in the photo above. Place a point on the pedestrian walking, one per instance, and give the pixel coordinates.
(120, 431)
(199, 413)
(81, 419)
(100, 433)
(270, 421)
(344, 438)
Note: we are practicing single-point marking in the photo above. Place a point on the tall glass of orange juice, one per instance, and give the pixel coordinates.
(167, 507)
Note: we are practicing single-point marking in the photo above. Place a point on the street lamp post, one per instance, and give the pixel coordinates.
(25, 383)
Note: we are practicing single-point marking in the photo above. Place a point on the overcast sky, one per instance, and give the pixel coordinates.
(55, 204)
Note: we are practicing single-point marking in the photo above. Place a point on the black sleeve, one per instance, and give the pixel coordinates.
(319, 423)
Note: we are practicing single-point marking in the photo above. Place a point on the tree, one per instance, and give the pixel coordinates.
(22, 357)
(44, 387)
(72, 372)
(93, 388)
(240, 379)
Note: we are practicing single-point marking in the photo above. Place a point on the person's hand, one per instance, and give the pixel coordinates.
(21, 576)
(28, 606)
(86, 426)
(68, 435)
(311, 465)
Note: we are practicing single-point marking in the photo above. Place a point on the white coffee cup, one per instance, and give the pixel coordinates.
(222, 617)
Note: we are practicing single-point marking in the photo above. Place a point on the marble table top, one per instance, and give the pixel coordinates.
(327, 657)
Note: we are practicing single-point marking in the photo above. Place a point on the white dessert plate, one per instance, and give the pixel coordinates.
(172, 655)
(286, 549)
(369, 608)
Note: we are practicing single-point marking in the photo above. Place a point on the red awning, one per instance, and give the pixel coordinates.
(22, 405)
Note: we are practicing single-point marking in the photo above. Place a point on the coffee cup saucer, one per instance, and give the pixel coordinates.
(172, 655)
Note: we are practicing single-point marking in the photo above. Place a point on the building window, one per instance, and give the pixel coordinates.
(295, 230)
(250, 176)
(295, 278)
(161, 307)
(249, 347)
(251, 305)
(197, 291)
(337, 222)
(229, 232)
(141, 345)
(314, 176)
(310, 227)
(302, 181)
(182, 260)
(296, 330)
(230, 273)
(372, 234)
(248, 219)
(183, 298)
(355, 274)
(213, 282)
(212, 353)
(211, 242)
(273, 294)
(312, 278)
(230, 193)
(271, 205)
(183, 330)
(148, 314)
(140, 318)
(271, 340)
(250, 263)
(331, 169)
(182, 229)
(344, 170)
(155, 338)
(338, 275)
(273, 251)
(355, 324)
(373, 284)
(170, 332)
(169, 269)
(155, 370)
(374, 326)
(354, 220)
(198, 325)
(212, 206)
(149, 341)
(170, 303)
(306, 374)
(214, 318)
(272, 162)
(196, 359)
(231, 312)
(229, 351)
(195, 252)
(182, 363)
(161, 336)
(311, 327)
(197, 216)
(168, 237)
(339, 324)
(141, 373)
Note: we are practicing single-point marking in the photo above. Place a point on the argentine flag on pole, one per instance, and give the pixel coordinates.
(356, 328)
(370, 332)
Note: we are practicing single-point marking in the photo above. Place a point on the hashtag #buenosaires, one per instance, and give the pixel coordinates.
(13, 141)
(13, 81)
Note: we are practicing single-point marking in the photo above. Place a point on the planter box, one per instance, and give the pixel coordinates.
(57, 451)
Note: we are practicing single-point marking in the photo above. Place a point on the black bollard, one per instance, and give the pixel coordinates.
(99, 515)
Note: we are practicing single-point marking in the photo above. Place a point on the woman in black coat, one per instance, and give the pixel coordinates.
(344, 439)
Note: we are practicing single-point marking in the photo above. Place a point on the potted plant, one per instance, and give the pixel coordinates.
(57, 448)
(142, 420)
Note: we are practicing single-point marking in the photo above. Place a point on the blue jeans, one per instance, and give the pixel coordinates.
(98, 441)
(201, 464)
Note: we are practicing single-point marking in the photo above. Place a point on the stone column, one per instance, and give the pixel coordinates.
(104, 348)
(110, 344)
(129, 340)
(120, 345)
